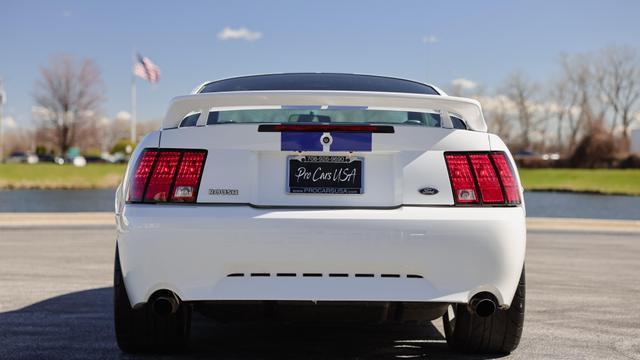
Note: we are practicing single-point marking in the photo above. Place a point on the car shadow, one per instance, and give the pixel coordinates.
(79, 325)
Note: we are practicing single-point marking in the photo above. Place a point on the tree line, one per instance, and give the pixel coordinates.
(592, 97)
(68, 112)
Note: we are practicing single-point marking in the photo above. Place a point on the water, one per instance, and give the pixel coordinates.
(56, 200)
(557, 204)
(545, 204)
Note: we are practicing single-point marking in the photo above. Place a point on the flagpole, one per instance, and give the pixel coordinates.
(133, 99)
(3, 99)
(1, 129)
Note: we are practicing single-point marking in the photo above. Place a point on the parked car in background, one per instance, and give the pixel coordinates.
(551, 156)
(78, 161)
(377, 196)
(92, 159)
(46, 158)
(120, 158)
(22, 157)
(525, 154)
(530, 155)
(117, 158)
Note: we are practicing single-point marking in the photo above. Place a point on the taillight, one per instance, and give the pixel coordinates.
(162, 177)
(167, 175)
(188, 177)
(490, 189)
(484, 178)
(143, 169)
(507, 178)
(464, 187)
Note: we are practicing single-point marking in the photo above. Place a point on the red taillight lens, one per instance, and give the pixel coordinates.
(507, 177)
(167, 176)
(141, 175)
(483, 178)
(490, 190)
(162, 177)
(464, 187)
(188, 177)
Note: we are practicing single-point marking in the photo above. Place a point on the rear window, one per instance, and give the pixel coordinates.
(328, 116)
(318, 81)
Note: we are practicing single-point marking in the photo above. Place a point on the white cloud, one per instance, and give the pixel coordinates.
(502, 104)
(66, 13)
(87, 113)
(464, 84)
(241, 33)
(9, 122)
(40, 112)
(498, 103)
(430, 39)
(123, 115)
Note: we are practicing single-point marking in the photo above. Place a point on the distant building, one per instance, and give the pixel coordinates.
(635, 140)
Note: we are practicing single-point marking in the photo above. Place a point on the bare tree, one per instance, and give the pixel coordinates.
(574, 94)
(618, 81)
(19, 139)
(117, 129)
(521, 92)
(498, 112)
(69, 96)
(544, 112)
(559, 101)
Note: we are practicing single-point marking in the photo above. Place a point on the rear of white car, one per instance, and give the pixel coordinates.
(322, 189)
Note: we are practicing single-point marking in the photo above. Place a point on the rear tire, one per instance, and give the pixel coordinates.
(142, 330)
(496, 334)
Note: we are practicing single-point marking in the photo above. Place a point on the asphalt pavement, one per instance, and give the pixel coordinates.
(55, 303)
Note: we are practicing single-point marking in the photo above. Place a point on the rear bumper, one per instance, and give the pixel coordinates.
(192, 250)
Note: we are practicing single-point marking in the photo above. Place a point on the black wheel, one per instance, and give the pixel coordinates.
(142, 330)
(498, 333)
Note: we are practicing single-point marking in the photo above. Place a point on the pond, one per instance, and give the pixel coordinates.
(539, 204)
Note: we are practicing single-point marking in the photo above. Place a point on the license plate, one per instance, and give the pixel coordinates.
(325, 175)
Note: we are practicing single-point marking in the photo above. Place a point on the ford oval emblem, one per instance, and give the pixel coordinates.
(428, 191)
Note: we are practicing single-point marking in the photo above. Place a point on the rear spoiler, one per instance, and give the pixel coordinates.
(468, 109)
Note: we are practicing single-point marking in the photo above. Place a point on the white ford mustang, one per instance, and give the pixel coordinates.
(323, 191)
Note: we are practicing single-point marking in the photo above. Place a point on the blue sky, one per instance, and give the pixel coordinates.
(433, 41)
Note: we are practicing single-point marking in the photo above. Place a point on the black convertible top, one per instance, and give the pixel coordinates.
(318, 81)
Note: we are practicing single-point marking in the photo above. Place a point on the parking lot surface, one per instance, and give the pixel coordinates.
(55, 302)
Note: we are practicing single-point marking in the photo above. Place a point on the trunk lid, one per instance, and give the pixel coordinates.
(247, 166)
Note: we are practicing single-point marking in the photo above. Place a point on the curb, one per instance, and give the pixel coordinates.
(107, 219)
(584, 225)
(58, 219)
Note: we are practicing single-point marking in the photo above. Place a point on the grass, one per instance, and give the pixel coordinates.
(603, 181)
(105, 176)
(52, 176)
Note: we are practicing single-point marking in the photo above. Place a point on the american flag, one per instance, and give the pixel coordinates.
(147, 70)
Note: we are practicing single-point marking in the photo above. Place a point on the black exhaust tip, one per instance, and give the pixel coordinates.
(165, 305)
(485, 307)
(483, 304)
